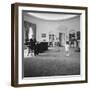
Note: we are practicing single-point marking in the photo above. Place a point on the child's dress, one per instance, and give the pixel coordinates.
(67, 49)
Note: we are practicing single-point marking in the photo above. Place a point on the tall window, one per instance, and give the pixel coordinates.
(51, 37)
(78, 35)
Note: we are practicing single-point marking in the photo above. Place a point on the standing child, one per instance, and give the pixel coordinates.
(67, 48)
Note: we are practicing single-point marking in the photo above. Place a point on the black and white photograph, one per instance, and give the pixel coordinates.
(50, 44)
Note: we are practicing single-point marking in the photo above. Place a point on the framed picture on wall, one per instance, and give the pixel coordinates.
(43, 35)
(59, 59)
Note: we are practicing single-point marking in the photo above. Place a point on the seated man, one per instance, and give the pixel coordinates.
(36, 49)
(32, 46)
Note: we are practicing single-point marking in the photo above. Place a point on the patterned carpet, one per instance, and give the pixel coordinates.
(53, 62)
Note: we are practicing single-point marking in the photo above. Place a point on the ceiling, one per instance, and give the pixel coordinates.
(50, 16)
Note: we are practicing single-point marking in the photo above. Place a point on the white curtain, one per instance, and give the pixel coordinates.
(30, 33)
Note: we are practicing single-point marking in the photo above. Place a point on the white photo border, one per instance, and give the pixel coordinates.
(53, 78)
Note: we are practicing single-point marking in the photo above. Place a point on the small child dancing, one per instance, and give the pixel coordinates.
(67, 48)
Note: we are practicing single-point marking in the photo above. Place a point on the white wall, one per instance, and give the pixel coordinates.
(44, 26)
(5, 45)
